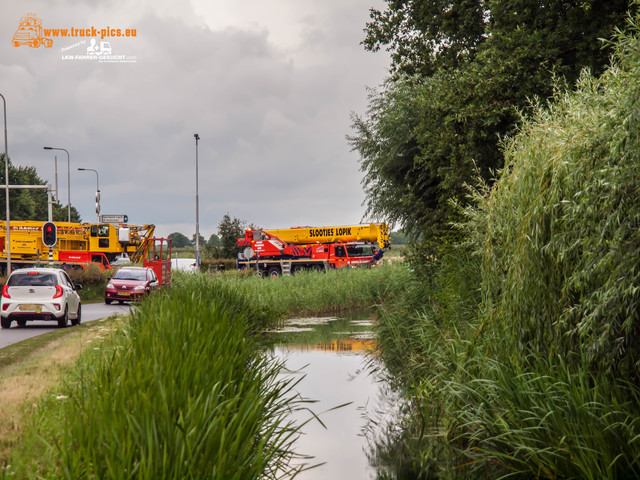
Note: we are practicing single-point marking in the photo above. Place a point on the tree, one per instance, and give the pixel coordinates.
(178, 240)
(455, 93)
(398, 238)
(427, 36)
(214, 241)
(30, 204)
(193, 240)
(230, 230)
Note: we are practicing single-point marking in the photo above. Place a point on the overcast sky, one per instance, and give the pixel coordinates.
(268, 86)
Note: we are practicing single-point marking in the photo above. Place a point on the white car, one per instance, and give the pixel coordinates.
(40, 294)
(184, 264)
(122, 259)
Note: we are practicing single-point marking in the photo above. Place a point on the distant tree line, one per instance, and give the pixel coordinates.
(29, 204)
(223, 245)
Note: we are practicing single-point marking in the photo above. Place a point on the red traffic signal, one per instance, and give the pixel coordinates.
(49, 234)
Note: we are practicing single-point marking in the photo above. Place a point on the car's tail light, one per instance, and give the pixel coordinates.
(5, 291)
(58, 293)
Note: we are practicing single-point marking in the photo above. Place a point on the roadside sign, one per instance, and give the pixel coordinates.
(114, 218)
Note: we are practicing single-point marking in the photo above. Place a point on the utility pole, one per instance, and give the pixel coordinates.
(197, 137)
(6, 180)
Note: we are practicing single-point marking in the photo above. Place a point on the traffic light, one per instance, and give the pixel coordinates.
(49, 234)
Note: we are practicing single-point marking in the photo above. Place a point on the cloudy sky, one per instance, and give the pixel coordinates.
(268, 86)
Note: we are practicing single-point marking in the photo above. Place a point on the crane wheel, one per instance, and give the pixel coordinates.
(273, 272)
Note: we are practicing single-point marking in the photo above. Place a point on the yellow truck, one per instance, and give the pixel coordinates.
(77, 243)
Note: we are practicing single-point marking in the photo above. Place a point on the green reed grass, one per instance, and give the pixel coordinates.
(531, 369)
(566, 423)
(182, 393)
(558, 233)
(314, 293)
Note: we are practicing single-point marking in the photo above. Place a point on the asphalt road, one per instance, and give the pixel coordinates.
(90, 311)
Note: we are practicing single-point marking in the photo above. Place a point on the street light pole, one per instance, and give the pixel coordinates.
(68, 180)
(197, 137)
(55, 169)
(97, 189)
(6, 179)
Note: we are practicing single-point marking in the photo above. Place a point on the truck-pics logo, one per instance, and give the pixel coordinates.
(94, 42)
(30, 33)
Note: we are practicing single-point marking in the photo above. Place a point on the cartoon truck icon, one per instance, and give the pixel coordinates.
(30, 33)
(95, 49)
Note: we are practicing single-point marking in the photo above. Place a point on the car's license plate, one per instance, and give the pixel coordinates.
(30, 307)
(124, 294)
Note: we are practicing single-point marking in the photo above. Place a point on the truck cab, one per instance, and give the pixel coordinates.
(352, 254)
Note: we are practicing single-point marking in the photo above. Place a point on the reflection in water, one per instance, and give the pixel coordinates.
(332, 358)
(350, 344)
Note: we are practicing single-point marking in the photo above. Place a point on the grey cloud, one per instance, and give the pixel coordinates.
(272, 123)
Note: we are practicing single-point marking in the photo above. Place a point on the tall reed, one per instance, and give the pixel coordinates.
(313, 293)
(184, 394)
(532, 372)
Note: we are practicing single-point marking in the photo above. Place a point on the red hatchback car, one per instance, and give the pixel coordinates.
(130, 284)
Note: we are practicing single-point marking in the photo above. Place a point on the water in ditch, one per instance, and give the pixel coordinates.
(333, 357)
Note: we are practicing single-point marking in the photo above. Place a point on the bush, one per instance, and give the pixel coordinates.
(213, 264)
(93, 280)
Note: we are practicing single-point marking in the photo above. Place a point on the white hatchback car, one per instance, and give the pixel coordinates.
(40, 294)
(184, 264)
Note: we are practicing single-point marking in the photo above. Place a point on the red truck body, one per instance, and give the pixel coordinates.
(270, 255)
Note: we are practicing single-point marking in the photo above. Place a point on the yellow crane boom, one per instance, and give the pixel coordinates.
(373, 232)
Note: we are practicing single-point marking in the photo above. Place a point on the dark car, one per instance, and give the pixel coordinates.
(130, 284)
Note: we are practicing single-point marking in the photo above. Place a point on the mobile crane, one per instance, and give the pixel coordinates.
(77, 243)
(286, 251)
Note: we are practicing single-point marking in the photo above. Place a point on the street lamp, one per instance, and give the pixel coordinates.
(68, 181)
(97, 189)
(6, 179)
(197, 137)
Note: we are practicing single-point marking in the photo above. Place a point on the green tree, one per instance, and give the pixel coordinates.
(214, 241)
(463, 73)
(398, 238)
(30, 204)
(561, 223)
(427, 36)
(230, 230)
(193, 240)
(455, 93)
(178, 240)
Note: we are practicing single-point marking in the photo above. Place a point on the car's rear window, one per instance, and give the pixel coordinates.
(125, 274)
(32, 280)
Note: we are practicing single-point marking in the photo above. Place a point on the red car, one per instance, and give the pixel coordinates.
(130, 284)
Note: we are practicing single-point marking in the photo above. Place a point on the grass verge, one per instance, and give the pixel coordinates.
(29, 370)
